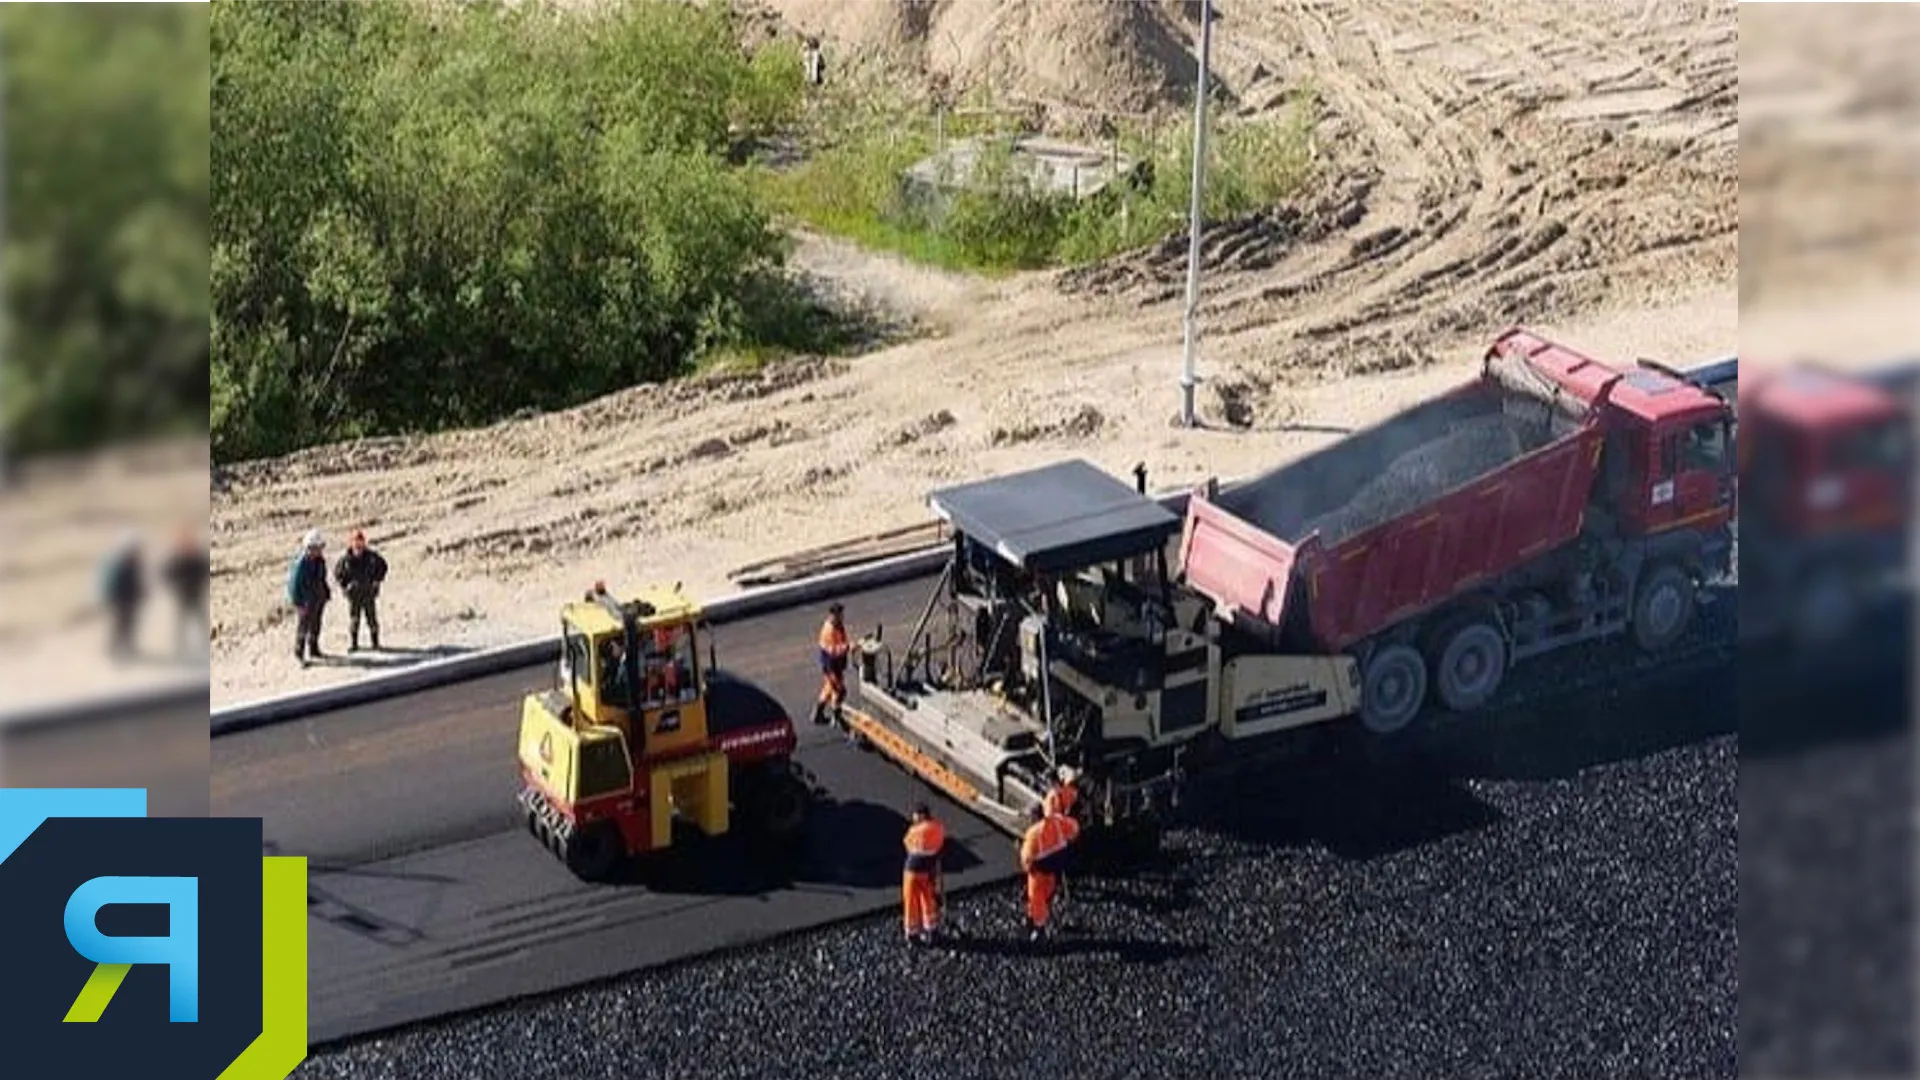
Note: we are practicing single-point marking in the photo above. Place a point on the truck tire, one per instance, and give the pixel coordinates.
(595, 852)
(1393, 688)
(1469, 663)
(1662, 607)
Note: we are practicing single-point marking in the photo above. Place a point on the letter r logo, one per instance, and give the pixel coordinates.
(179, 950)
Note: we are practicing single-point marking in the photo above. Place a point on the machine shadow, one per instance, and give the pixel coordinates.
(1794, 701)
(1361, 799)
(848, 844)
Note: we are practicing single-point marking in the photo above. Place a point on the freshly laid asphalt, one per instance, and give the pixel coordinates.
(156, 741)
(429, 896)
(1588, 817)
(1547, 890)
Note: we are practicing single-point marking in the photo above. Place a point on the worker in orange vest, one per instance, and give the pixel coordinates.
(919, 893)
(1042, 852)
(834, 648)
(1062, 797)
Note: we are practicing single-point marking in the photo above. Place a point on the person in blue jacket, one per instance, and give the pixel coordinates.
(307, 590)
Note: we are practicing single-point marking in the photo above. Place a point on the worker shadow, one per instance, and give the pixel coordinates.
(149, 659)
(857, 844)
(1354, 805)
(1162, 888)
(849, 844)
(387, 659)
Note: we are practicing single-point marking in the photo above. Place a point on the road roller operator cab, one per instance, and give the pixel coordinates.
(634, 665)
(619, 749)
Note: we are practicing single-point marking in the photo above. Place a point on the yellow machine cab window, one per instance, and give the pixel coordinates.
(576, 660)
(614, 688)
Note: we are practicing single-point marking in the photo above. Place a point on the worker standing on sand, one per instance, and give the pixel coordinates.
(918, 892)
(186, 572)
(359, 574)
(123, 589)
(1042, 851)
(834, 648)
(308, 591)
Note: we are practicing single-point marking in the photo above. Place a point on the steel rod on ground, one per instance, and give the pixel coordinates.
(1190, 333)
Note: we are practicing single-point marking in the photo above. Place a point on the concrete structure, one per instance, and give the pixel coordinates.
(1047, 165)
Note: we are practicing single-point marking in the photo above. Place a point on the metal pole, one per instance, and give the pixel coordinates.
(1189, 332)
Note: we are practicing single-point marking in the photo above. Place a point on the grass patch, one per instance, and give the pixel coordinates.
(853, 189)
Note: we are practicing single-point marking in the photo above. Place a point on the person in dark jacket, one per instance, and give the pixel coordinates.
(307, 590)
(186, 572)
(359, 574)
(123, 588)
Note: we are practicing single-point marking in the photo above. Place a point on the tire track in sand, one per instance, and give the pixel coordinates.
(1484, 168)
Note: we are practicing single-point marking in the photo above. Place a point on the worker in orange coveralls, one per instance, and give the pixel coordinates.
(1062, 797)
(1042, 851)
(919, 892)
(834, 648)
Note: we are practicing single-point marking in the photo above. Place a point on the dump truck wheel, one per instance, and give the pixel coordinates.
(1662, 607)
(1392, 689)
(594, 853)
(1469, 665)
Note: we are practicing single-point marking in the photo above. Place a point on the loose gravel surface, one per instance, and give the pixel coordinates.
(1537, 895)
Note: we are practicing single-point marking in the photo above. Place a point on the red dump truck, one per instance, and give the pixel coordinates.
(1829, 460)
(1552, 501)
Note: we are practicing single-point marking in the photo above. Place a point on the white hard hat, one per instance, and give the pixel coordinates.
(1068, 774)
(315, 539)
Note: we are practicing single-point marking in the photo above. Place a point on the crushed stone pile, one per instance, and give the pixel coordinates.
(1471, 449)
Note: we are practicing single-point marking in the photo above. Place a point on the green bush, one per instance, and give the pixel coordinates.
(431, 217)
(853, 190)
(106, 224)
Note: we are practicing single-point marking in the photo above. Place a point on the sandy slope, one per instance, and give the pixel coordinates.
(1830, 182)
(1567, 165)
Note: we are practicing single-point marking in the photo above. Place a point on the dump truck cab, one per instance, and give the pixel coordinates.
(1668, 459)
(624, 746)
(1827, 453)
(1827, 460)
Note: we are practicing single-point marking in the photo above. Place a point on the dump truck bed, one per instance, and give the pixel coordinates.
(1398, 519)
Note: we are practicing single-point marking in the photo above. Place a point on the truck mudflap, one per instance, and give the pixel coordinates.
(906, 752)
(1244, 569)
